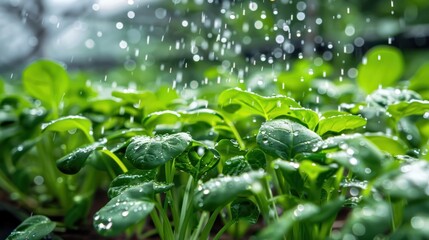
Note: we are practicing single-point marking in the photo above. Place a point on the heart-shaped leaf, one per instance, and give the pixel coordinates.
(198, 160)
(148, 153)
(285, 138)
(220, 191)
(34, 227)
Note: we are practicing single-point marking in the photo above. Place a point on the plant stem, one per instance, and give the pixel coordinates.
(235, 132)
(157, 222)
(206, 232)
(203, 220)
(223, 229)
(115, 159)
(187, 208)
(166, 225)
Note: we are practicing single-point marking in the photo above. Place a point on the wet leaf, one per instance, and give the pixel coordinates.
(386, 97)
(418, 82)
(125, 210)
(228, 148)
(367, 221)
(360, 156)
(409, 181)
(307, 212)
(290, 172)
(131, 178)
(247, 103)
(338, 123)
(198, 161)
(168, 117)
(148, 153)
(220, 191)
(413, 107)
(390, 144)
(46, 81)
(285, 138)
(256, 159)
(236, 166)
(382, 66)
(70, 123)
(74, 161)
(244, 209)
(35, 227)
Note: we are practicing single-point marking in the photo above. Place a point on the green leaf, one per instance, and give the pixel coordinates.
(125, 210)
(418, 82)
(413, 107)
(285, 138)
(386, 97)
(307, 212)
(35, 227)
(198, 161)
(70, 123)
(382, 66)
(228, 148)
(256, 159)
(247, 103)
(148, 153)
(290, 172)
(338, 123)
(168, 117)
(243, 208)
(131, 178)
(367, 221)
(312, 170)
(140, 99)
(220, 191)
(46, 81)
(235, 166)
(390, 144)
(74, 161)
(360, 156)
(409, 181)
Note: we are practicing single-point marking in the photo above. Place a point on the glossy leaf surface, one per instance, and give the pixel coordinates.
(35, 227)
(220, 191)
(148, 153)
(285, 138)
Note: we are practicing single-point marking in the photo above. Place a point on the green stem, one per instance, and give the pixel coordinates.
(187, 208)
(115, 159)
(223, 229)
(52, 174)
(206, 232)
(203, 220)
(157, 222)
(166, 225)
(235, 132)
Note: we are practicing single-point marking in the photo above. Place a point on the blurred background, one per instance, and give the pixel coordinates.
(188, 43)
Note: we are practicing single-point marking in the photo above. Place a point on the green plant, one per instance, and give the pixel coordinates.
(194, 169)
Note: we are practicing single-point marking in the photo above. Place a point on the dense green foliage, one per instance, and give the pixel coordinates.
(177, 165)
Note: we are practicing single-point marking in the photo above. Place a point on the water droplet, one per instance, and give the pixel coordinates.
(206, 191)
(358, 229)
(125, 213)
